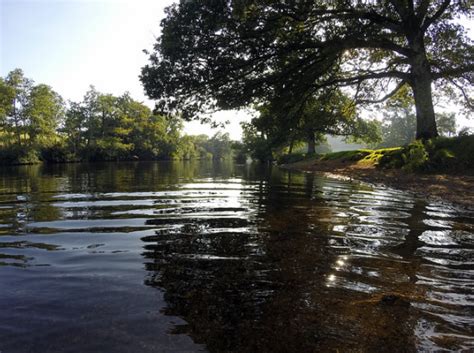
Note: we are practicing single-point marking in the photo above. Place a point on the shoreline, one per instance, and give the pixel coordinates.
(457, 190)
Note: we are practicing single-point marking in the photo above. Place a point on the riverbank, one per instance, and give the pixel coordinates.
(456, 189)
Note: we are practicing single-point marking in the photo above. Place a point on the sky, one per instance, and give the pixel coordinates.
(72, 44)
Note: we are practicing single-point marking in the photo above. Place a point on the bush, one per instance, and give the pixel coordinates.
(57, 153)
(392, 159)
(455, 153)
(18, 155)
(443, 154)
(415, 157)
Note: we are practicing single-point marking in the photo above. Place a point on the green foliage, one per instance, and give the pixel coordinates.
(43, 111)
(56, 153)
(256, 143)
(446, 124)
(363, 156)
(392, 159)
(399, 125)
(240, 153)
(7, 95)
(219, 146)
(452, 154)
(36, 126)
(229, 54)
(279, 127)
(443, 157)
(375, 156)
(18, 155)
(415, 156)
(15, 91)
(345, 156)
(443, 154)
(29, 117)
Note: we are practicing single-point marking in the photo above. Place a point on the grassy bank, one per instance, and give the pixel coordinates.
(447, 155)
(442, 168)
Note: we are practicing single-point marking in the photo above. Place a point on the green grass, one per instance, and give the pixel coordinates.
(360, 156)
(443, 154)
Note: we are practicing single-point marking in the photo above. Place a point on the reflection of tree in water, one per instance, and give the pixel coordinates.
(26, 194)
(250, 290)
(285, 280)
(212, 280)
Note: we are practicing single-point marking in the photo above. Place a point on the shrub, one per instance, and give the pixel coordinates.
(57, 153)
(443, 154)
(415, 157)
(392, 159)
(18, 155)
(456, 153)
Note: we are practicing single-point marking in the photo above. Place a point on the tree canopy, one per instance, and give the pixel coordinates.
(37, 125)
(29, 113)
(330, 113)
(231, 53)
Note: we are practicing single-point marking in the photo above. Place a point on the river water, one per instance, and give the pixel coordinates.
(203, 257)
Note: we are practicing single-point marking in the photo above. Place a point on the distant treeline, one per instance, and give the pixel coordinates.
(37, 125)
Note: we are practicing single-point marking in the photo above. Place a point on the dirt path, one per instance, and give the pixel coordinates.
(455, 189)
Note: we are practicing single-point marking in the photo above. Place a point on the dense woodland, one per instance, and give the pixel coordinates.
(36, 124)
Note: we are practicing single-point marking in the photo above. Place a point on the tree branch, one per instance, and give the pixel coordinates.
(469, 101)
(350, 81)
(384, 98)
(399, 8)
(453, 71)
(422, 10)
(430, 20)
(380, 44)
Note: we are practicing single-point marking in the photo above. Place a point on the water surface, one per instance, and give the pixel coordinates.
(202, 257)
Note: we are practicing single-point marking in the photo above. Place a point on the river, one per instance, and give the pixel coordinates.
(217, 257)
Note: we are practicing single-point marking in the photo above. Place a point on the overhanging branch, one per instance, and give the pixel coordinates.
(384, 98)
(469, 101)
(455, 71)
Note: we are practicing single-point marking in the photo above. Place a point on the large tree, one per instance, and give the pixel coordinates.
(29, 114)
(230, 53)
(331, 112)
(399, 120)
(107, 127)
(15, 90)
(44, 112)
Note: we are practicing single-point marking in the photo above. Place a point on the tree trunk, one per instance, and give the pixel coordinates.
(311, 143)
(290, 150)
(425, 116)
(421, 85)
